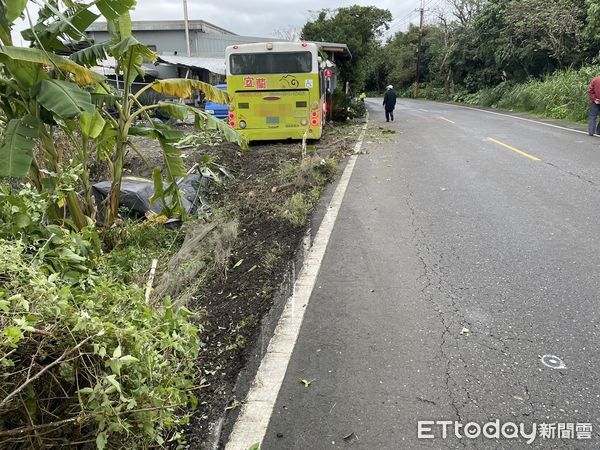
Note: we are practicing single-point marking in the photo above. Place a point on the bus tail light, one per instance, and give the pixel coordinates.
(232, 119)
(242, 124)
(314, 118)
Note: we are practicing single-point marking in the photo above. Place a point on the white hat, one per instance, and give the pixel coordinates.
(390, 87)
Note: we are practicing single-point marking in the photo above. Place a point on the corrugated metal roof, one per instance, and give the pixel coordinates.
(107, 68)
(159, 25)
(214, 45)
(214, 65)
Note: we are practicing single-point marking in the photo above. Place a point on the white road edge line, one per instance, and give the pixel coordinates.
(252, 423)
(447, 120)
(517, 117)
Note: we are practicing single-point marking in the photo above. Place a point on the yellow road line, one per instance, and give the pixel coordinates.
(510, 147)
(447, 120)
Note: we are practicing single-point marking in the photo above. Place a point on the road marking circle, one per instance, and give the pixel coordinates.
(554, 362)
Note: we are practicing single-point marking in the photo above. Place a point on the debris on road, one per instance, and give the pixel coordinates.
(351, 437)
(306, 383)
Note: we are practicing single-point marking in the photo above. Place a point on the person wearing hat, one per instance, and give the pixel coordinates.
(389, 103)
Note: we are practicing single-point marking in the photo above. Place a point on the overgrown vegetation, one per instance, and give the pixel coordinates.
(360, 27)
(560, 95)
(90, 354)
(83, 356)
(470, 45)
(344, 107)
(87, 354)
(533, 55)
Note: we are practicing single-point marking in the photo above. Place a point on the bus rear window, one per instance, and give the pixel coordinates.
(267, 63)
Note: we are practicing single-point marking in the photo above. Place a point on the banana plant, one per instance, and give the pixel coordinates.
(130, 55)
(41, 92)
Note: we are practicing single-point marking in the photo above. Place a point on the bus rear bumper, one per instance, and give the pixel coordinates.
(276, 134)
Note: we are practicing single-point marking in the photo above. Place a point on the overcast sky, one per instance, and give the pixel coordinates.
(263, 17)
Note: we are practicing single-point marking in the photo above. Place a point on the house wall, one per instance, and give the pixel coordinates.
(168, 38)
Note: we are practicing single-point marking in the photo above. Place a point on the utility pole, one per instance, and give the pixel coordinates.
(422, 11)
(187, 28)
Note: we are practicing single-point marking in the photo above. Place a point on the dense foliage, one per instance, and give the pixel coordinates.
(470, 45)
(83, 357)
(45, 94)
(359, 27)
(536, 54)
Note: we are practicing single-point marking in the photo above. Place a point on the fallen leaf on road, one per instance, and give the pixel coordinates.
(465, 331)
(350, 437)
(306, 383)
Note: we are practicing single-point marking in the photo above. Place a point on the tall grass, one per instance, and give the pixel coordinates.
(560, 95)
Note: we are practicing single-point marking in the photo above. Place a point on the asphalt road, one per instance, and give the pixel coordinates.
(456, 264)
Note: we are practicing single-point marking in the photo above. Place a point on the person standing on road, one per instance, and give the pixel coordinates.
(389, 103)
(594, 93)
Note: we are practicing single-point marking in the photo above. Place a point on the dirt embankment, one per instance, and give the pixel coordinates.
(269, 199)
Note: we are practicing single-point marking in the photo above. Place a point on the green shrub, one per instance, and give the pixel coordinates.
(134, 245)
(297, 209)
(357, 109)
(431, 92)
(327, 169)
(340, 103)
(65, 252)
(82, 356)
(560, 95)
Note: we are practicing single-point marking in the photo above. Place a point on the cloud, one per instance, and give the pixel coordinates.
(259, 17)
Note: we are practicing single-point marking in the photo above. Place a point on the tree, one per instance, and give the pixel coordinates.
(551, 26)
(465, 10)
(290, 34)
(360, 27)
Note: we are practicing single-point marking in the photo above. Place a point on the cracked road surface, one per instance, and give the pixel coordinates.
(466, 249)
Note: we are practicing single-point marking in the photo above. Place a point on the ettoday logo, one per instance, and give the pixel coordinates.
(442, 429)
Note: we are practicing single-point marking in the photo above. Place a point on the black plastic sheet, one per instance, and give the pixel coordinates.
(137, 192)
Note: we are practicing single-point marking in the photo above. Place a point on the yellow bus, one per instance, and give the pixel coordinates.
(278, 90)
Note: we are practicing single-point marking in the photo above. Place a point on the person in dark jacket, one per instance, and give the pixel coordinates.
(594, 94)
(389, 103)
